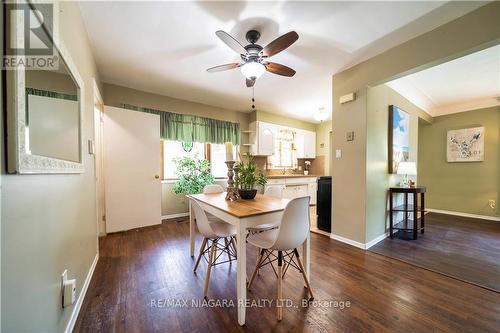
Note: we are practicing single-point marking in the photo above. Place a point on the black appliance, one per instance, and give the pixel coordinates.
(324, 203)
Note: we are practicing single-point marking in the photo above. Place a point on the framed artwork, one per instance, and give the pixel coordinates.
(399, 137)
(465, 145)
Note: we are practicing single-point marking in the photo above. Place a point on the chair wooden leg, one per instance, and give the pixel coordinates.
(306, 280)
(254, 274)
(202, 248)
(280, 286)
(209, 268)
(226, 244)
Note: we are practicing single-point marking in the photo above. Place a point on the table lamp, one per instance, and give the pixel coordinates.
(406, 168)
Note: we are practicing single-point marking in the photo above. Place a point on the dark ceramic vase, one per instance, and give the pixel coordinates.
(247, 194)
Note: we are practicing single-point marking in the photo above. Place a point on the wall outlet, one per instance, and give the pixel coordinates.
(68, 290)
(492, 204)
(338, 153)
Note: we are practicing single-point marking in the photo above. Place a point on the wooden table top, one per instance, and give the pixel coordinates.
(262, 204)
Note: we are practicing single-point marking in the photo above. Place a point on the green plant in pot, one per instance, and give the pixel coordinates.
(193, 175)
(247, 177)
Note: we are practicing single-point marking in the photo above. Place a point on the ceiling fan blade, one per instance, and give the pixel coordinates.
(223, 67)
(231, 42)
(250, 83)
(279, 69)
(279, 44)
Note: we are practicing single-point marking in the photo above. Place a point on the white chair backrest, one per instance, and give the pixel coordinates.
(294, 226)
(202, 220)
(274, 191)
(213, 188)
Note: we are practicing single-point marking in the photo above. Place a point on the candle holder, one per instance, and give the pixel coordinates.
(232, 192)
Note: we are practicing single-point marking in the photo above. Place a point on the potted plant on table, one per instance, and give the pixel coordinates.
(193, 175)
(247, 177)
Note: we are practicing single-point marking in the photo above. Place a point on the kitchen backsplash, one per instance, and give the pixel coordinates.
(317, 167)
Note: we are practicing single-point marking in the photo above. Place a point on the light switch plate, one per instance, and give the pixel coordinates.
(338, 153)
(350, 136)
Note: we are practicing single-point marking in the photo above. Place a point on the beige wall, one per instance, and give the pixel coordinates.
(377, 173)
(460, 187)
(323, 132)
(472, 32)
(49, 221)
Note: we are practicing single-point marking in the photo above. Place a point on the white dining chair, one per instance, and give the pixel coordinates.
(213, 232)
(292, 232)
(275, 192)
(209, 189)
(213, 188)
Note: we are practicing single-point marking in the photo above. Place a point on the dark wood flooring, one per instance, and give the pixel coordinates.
(139, 267)
(464, 248)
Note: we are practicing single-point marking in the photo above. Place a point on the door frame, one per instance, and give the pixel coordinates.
(98, 111)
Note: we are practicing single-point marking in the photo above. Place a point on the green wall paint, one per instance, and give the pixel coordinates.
(378, 179)
(283, 120)
(49, 221)
(460, 187)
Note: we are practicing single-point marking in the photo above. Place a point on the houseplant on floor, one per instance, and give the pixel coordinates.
(193, 175)
(247, 177)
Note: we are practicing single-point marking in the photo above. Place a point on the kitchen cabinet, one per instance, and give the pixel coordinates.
(262, 138)
(295, 187)
(306, 144)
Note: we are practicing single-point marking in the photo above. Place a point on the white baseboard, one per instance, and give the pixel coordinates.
(79, 301)
(359, 245)
(348, 241)
(174, 216)
(376, 240)
(475, 216)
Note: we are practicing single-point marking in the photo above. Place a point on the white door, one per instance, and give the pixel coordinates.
(131, 165)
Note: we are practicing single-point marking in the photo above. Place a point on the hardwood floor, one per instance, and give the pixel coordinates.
(461, 247)
(139, 267)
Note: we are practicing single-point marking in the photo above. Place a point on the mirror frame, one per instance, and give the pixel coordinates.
(18, 161)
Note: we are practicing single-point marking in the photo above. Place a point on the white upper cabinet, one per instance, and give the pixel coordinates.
(262, 138)
(306, 144)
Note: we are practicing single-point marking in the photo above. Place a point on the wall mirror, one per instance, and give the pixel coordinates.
(45, 105)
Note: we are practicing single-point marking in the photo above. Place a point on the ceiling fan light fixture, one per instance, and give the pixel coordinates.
(321, 114)
(253, 70)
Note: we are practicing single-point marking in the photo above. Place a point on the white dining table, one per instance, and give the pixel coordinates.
(242, 214)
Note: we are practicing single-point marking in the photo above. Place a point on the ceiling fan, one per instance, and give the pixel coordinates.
(255, 56)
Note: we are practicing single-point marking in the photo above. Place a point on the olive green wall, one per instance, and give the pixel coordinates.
(49, 222)
(377, 154)
(460, 187)
(474, 31)
(283, 120)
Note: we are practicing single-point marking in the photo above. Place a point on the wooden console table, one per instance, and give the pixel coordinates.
(407, 224)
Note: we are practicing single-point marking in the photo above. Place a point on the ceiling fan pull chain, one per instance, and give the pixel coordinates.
(253, 97)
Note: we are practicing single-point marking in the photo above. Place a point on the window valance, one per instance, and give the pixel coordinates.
(189, 128)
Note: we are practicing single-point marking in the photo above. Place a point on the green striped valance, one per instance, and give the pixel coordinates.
(51, 94)
(188, 128)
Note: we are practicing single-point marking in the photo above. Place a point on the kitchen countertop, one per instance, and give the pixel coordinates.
(292, 176)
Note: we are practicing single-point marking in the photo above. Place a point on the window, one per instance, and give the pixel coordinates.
(176, 149)
(218, 159)
(215, 153)
(284, 150)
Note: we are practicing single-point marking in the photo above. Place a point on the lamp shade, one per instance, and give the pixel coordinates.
(253, 70)
(407, 168)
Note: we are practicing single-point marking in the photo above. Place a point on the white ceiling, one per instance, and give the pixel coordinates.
(165, 47)
(463, 84)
